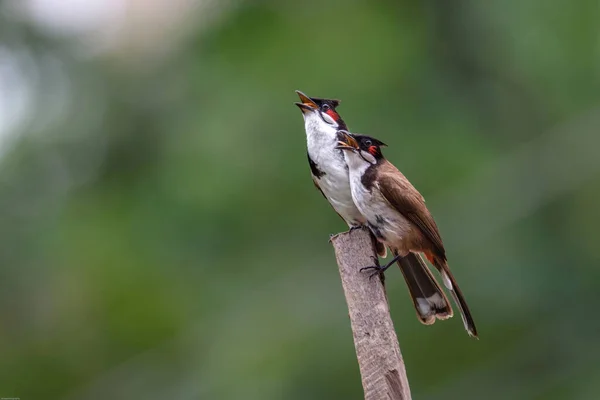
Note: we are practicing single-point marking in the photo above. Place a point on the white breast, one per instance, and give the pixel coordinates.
(334, 183)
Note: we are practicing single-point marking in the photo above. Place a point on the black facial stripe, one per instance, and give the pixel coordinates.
(360, 152)
(327, 122)
(314, 168)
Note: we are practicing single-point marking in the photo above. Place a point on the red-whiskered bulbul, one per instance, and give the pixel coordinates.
(329, 172)
(327, 165)
(328, 168)
(398, 217)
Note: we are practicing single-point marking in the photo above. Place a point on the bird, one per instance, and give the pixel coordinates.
(398, 217)
(328, 167)
(329, 172)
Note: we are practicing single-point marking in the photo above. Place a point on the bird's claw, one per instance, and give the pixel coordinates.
(379, 269)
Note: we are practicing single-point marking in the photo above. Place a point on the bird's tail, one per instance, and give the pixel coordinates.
(428, 297)
(459, 299)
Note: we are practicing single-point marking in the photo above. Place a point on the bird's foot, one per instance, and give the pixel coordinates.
(355, 227)
(352, 228)
(379, 270)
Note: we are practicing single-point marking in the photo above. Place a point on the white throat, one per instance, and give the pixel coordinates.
(318, 131)
(321, 139)
(356, 164)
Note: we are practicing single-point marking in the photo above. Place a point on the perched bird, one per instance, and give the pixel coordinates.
(397, 215)
(327, 165)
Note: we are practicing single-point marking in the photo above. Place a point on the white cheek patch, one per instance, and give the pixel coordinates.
(328, 119)
(368, 157)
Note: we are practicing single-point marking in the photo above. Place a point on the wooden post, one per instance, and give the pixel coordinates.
(377, 349)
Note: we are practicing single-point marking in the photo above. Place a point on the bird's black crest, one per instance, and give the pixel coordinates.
(362, 139)
(333, 103)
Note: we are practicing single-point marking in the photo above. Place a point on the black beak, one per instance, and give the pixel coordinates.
(307, 104)
(305, 107)
(345, 146)
(347, 142)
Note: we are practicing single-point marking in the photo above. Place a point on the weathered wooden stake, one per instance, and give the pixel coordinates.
(377, 349)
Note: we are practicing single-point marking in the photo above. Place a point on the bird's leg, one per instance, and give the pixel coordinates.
(379, 269)
(352, 228)
(355, 227)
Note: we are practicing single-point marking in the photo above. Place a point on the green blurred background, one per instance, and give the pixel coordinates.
(160, 236)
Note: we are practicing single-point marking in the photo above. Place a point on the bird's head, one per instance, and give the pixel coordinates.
(321, 112)
(363, 146)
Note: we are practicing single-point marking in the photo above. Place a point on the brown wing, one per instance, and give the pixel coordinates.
(407, 200)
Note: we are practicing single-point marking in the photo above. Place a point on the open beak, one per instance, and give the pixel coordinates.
(347, 142)
(307, 104)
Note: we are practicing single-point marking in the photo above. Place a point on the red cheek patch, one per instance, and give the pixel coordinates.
(373, 150)
(333, 114)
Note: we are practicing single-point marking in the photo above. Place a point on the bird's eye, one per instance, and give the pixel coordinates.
(368, 142)
(326, 107)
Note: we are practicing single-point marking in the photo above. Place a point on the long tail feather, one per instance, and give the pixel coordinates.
(428, 297)
(459, 299)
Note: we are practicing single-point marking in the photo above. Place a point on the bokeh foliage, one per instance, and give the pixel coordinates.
(160, 236)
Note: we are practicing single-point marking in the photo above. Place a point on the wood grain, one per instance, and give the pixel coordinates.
(380, 361)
